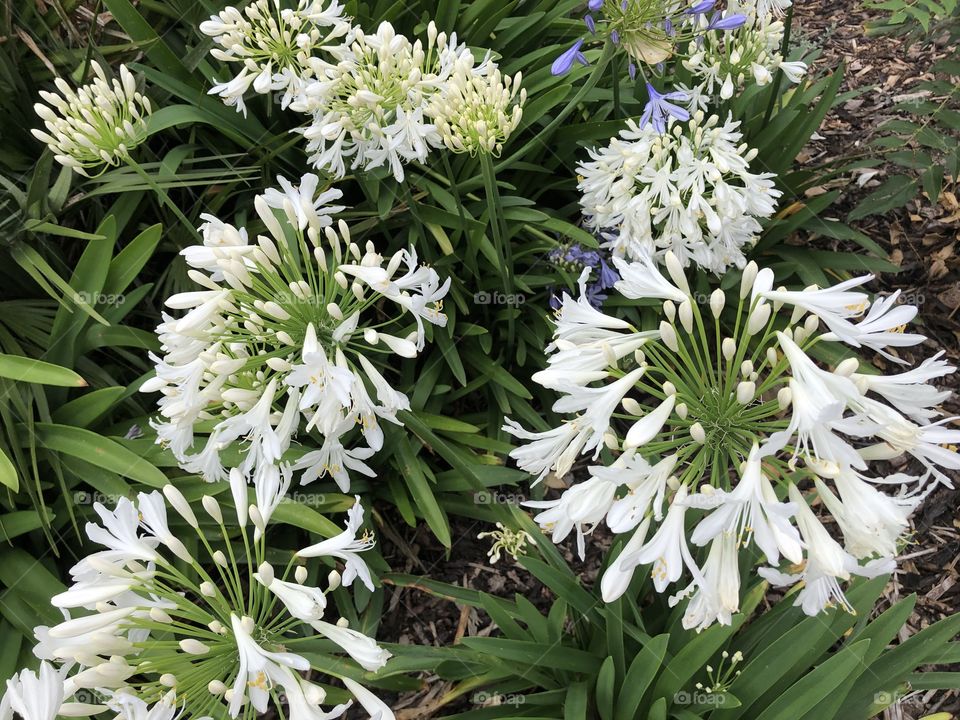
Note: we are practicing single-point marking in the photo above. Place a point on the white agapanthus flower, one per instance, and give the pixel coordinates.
(477, 112)
(725, 62)
(291, 333)
(383, 103)
(724, 411)
(95, 126)
(207, 636)
(277, 49)
(689, 190)
(762, 8)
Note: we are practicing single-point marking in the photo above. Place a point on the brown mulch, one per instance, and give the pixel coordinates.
(922, 240)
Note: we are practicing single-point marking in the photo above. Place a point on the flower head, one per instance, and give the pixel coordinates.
(277, 49)
(383, 101)
(203, 631)
(289, 335)
(722, 413)
(723, 62)
(477, 112)
(95, 126)
(689, 190)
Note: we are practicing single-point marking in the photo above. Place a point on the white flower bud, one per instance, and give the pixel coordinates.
(847, 367)
(747, 279)
(729, 348)
(745, 392)
(784, 398)
(212, 507)
(160, 615)
(697, 433)
(686, 315)
(632, 406)
(669, 336)
(193, 647)
(180, 504)
(718, 299)
(669, 309)
(758, 319)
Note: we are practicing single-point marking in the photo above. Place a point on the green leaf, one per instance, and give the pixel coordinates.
(98, 450)
(423, 497)
(128, 263)
(815, 686)
(146, 39)
(643, 670)
(606, 679)
(8, 472)
(895, 192)
(89, 407)
(24, 369)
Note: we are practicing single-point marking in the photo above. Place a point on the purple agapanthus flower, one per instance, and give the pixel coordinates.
(730, 22)
(701, 7)
(659, 108)
(574, 258)
(562, 64)
(595, 5)
(591, 25)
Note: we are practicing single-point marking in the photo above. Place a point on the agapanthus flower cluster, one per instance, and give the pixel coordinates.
(276, 47)
(651, 32)
(476, 111)
(288, 333)
(724, 63)
(573, 258)
(725, 412)
(689, 190)
(389, 101)
(200, 633)
(95, 126)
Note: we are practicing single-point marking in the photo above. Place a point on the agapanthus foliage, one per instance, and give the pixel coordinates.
(97, 125)
(289, 334)
(197, 633)
(689, 191)
(726, 412)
